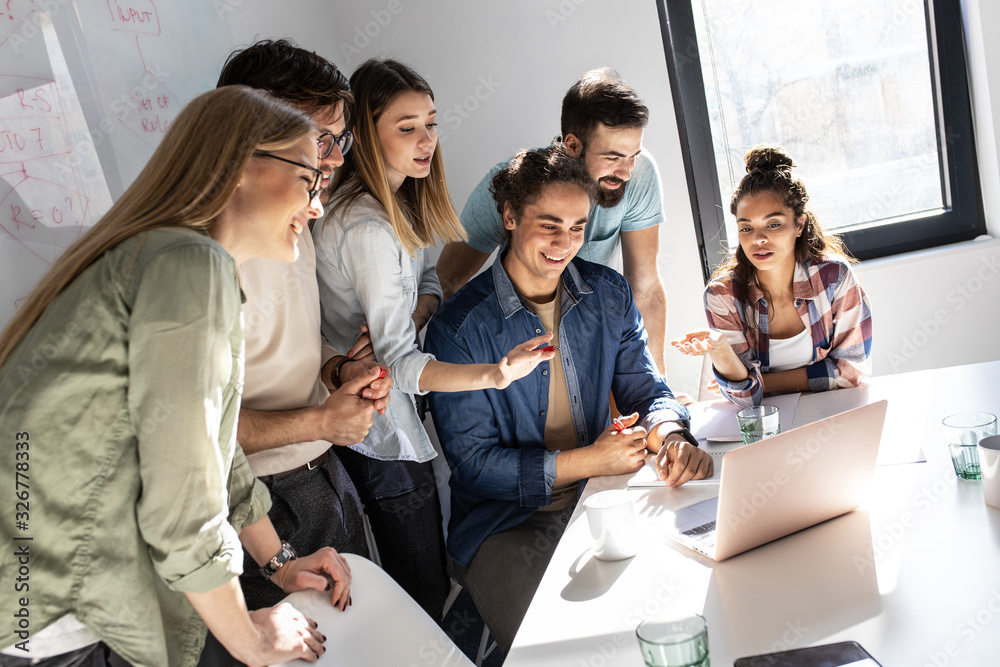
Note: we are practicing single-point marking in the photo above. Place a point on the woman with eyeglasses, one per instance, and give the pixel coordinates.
(786, 312)
(120, 383)
(390, 201)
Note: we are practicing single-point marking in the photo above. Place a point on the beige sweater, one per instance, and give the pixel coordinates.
(284, 348)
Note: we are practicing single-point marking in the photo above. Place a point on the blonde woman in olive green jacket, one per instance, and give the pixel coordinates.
(119, 390)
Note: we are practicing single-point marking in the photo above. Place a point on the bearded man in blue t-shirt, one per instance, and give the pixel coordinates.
(602, 123)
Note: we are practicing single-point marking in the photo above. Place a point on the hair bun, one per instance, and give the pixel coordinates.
(767, 158)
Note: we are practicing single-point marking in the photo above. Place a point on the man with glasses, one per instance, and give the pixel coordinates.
(328, 140)
(299, 395)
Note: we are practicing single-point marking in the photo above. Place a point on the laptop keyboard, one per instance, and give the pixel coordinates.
(700, 530)
(703, 535)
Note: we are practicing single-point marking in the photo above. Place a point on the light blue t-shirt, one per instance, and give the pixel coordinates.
(641, 207)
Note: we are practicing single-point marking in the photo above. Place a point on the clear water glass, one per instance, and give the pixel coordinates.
(962, 433)
(680, 641)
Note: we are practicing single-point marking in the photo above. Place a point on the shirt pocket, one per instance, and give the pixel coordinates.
(409, 285)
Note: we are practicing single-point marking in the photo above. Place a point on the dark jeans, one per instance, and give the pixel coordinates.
(401, 501)
(506, 570)
(310, 509)
(95, 655)
(215, 654)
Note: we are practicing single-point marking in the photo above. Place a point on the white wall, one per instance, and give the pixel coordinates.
(499, 71)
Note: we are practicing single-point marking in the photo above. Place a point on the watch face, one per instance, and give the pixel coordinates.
(286, 554)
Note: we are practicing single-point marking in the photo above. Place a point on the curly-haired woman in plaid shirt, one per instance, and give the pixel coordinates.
(786, 312)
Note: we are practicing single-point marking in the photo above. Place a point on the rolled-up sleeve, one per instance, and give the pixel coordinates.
(721, 313)
(480, 217)
(372, 261)
(430, 283)
(327, 352)
(646, 195)
(249, 499)
(180, 363)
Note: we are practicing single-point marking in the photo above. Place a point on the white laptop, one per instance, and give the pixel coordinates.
(783, 484)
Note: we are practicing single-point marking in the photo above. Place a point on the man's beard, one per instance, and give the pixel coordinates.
(610, 198)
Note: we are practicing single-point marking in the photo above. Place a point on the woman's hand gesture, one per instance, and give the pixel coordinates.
(522, 360)
(700, 342)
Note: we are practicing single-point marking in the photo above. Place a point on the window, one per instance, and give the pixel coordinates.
(870, 99)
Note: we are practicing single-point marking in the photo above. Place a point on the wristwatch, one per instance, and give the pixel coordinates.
(286, 554)
(335, 372)
(684, 433)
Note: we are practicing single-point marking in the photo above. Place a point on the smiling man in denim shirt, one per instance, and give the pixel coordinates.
(517, 456)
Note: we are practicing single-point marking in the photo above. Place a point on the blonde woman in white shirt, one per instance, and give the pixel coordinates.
(391, 201)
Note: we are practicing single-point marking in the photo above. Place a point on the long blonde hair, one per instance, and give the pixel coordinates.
(421, 210)
(186, 183)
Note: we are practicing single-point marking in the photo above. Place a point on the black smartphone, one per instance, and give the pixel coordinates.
(841, 654)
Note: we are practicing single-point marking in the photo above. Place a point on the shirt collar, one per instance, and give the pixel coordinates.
(510, 301)
(806, 284)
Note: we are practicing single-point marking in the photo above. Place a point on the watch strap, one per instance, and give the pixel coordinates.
(285, 554)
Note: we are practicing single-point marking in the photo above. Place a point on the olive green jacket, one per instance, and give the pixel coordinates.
(118, 409)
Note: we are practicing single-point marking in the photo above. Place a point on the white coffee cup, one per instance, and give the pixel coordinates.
(989, 466)
(612, 524)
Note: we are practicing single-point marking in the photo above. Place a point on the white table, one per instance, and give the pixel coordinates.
(914, 576)
(383, 626)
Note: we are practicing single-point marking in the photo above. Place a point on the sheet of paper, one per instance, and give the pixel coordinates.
(646, 476)
(909, 424)
(716, 419)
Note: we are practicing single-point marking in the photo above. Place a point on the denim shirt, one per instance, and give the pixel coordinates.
(501, 470)
(365, 277)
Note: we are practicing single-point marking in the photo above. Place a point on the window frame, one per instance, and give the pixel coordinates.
(962, 219)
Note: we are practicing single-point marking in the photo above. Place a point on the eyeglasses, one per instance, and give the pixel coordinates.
(327, 140)
(314, 188)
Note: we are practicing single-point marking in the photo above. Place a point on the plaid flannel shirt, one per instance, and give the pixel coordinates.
(832, 305)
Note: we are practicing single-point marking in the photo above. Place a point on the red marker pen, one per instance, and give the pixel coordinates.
(381, 373)
(618, 423)
(550, 348)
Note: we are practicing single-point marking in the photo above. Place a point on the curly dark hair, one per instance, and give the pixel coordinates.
(601, 96)
(769, 169)
(290, 73)
(520, 182)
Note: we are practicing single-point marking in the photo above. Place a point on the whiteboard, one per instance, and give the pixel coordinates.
(87, 89)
